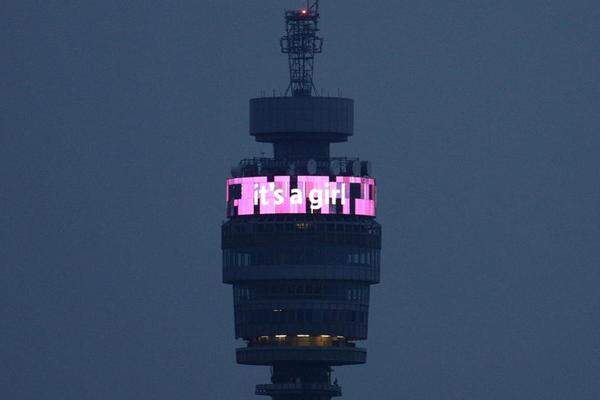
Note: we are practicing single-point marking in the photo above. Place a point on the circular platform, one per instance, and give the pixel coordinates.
(329, 119)
(269, 355)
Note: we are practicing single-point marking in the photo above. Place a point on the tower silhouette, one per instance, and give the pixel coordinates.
(301, 246)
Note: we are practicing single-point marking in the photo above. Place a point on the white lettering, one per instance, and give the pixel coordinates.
(316, 199)
(297, 197)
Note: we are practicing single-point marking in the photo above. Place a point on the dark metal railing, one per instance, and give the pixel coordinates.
(342, 166)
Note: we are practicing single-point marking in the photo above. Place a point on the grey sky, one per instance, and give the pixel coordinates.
(119, 122)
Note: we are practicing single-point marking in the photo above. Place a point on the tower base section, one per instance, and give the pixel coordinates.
(300, 391)
(299, 381)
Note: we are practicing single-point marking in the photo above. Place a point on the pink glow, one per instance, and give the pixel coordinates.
(329, 197)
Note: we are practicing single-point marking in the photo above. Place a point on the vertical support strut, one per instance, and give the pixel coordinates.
(301, 43)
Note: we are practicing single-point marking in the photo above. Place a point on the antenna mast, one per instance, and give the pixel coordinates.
(301, 43)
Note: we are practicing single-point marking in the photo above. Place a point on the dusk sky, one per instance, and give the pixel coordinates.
(120, 121)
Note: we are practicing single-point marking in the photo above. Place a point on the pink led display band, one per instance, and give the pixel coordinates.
(261, 195)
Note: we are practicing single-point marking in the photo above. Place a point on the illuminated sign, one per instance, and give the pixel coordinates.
(260, 195)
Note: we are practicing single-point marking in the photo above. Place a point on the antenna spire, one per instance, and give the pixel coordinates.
(301, 43)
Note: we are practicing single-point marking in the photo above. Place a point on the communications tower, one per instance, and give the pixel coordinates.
(301, 246)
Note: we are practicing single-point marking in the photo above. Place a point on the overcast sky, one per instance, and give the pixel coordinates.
(120, 120)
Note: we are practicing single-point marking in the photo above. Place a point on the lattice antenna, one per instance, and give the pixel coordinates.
(301, 43)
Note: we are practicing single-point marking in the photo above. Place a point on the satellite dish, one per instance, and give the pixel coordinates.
(335, 167)
(355, 167)
(291, 169)
(311, 167)
(366, 168)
